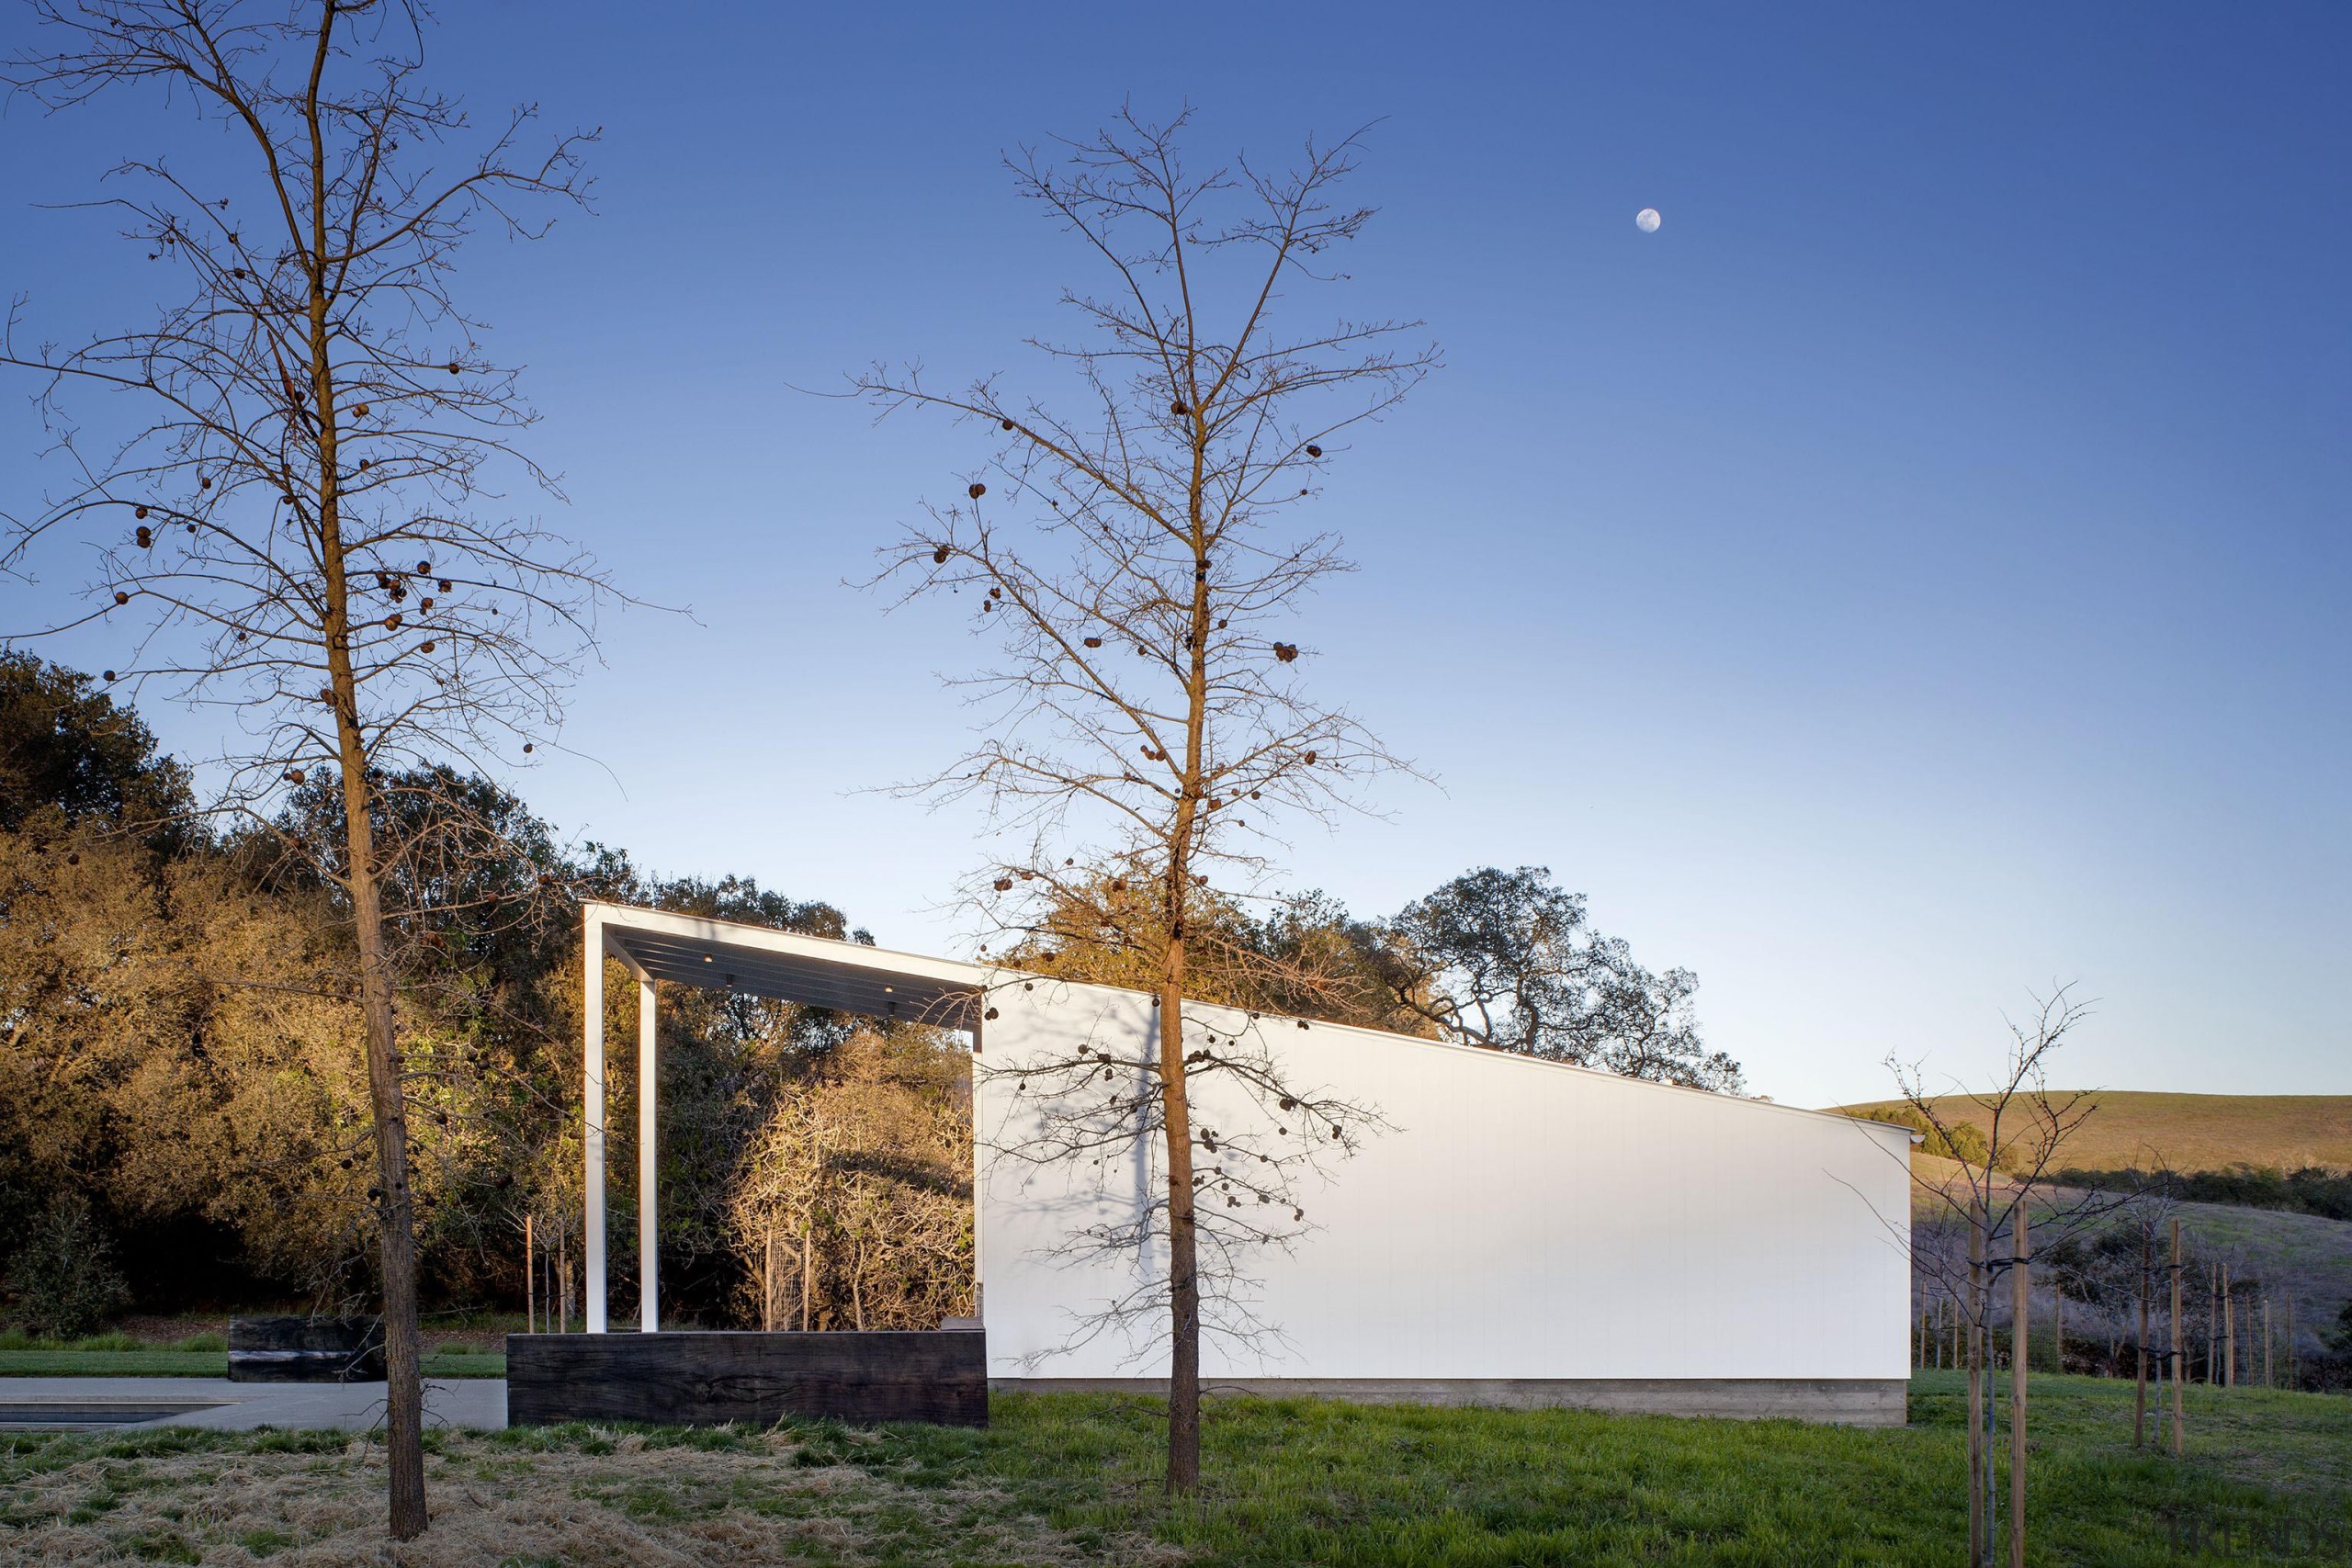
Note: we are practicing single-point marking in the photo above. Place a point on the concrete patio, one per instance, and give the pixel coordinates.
(128, 1403)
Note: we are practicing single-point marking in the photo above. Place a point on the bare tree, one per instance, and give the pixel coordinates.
(1147, 709)
(1989, 1181)
(292, 519)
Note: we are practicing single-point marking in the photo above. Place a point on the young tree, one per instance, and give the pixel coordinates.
(1990, 1179)
(853, 1199)
(1147, 710)
(1509, 960)
(292, 517)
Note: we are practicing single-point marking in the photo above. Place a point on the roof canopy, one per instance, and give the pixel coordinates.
(846, 977)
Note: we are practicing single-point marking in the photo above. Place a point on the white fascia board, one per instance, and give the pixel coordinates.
(1514, 1061)
(983, 977)
(626, 918)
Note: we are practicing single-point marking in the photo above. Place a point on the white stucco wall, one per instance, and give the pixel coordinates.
(1518, 1219)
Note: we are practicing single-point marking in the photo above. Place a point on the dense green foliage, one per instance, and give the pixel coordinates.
(1509, 960)
(183, 1110)
(67, 746)
(62, 1271)
(1961, 1140)
(2310, 1191)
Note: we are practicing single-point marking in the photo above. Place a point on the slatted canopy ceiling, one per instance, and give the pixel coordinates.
(846, 977)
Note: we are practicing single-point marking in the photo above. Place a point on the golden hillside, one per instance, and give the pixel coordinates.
(2191, 1131)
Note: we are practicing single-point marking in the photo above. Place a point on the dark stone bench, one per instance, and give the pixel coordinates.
(306, 1349)
(704, 1379)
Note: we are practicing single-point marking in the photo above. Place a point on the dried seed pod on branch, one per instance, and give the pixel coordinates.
(318, 290)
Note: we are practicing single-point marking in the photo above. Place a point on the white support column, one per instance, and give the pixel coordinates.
(591, 1013)
(648, 1156)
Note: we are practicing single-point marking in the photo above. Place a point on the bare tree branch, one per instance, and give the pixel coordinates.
(303, 526)
(1147, 716)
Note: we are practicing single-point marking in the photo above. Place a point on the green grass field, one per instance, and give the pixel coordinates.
(1073, 1478)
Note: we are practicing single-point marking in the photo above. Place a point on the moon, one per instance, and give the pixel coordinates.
(1647, 221)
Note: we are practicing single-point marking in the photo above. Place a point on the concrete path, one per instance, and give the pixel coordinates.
(122, 1404)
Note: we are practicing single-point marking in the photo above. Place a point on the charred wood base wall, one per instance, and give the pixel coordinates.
(306, 1349)
(703, 1378)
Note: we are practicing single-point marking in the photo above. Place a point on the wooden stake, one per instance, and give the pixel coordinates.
(530, 1281)
(2229, 1332)
(2020, 1308)
(2213, 1325)
(2139, 1357)
(2265, 1341)
(767, 1286)
(1979, 1460)
(2179, 1355)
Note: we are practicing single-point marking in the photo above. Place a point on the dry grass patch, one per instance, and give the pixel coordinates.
(2190, 1131)
(567, 1496)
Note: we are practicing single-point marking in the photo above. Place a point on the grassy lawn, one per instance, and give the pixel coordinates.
(1071, 1478)
(194, 1356)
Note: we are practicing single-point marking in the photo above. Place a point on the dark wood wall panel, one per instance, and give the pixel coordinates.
(306, 1349)
(702, 1378)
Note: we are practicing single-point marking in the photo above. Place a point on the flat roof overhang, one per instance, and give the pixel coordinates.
(845, 976)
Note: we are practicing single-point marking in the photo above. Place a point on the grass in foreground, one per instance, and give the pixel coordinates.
(1073, 1478)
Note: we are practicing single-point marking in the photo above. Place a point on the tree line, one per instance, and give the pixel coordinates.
(184, 1111)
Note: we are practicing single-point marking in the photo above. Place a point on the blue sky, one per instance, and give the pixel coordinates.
(1915, 574)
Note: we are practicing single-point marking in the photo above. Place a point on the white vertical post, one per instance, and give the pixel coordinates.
(648, 1156)
(592, 1015)
(980, 1167)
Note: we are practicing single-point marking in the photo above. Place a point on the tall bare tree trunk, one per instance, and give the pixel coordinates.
(1183, 1239)
(403, 1359)
(1183, 1261)
(404, 1391)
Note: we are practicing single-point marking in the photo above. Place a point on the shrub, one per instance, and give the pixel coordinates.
(64, 1275)
(1961, 1141)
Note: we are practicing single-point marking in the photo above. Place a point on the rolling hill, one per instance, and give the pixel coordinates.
(2190, 1131)
(2298, 1258)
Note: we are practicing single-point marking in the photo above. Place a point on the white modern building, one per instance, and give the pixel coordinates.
(1507, 1230)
